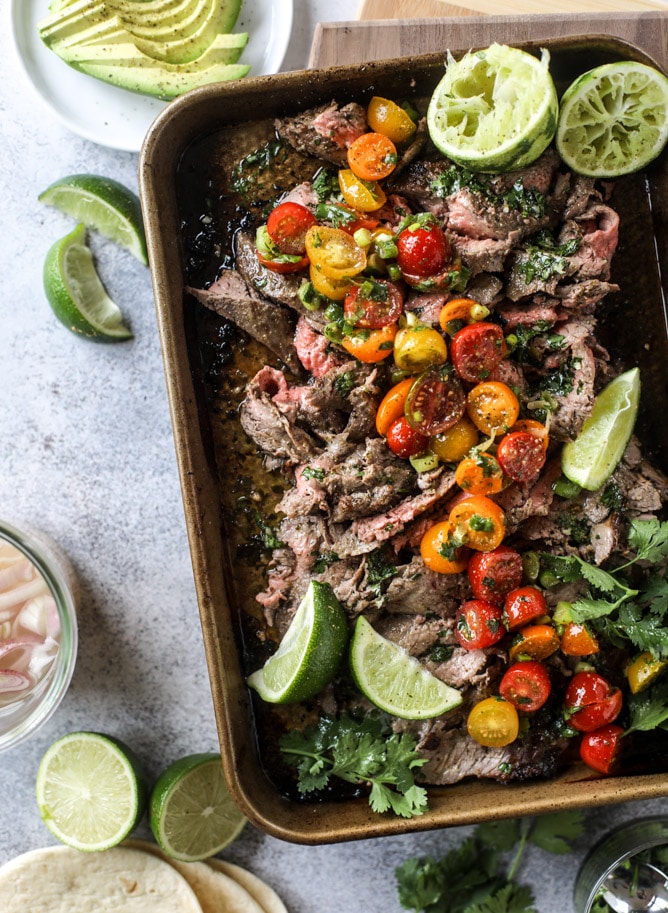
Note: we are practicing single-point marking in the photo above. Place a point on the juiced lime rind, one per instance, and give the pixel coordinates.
(76, 294)
(494, 110)
(613, 120)
(592, 457)
(310, 653)
(102, 204)
(91, 790)
(395, 681)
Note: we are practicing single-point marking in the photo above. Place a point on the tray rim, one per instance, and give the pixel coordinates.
(307, 823)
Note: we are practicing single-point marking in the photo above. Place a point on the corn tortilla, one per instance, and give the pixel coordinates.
(260, 890)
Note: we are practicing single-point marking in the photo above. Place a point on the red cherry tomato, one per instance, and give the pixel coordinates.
(600, 749)
(526, 685)
(373, 304)
(404, 441)
(436, 401)
(494, 574)
(478, 624)
(423, 251)
(522, 605)
(476, 350)
(521, 455)
(282, 266)
(287, 226)
(600, 702)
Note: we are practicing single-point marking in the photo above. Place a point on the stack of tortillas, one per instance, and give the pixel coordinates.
(135, 876)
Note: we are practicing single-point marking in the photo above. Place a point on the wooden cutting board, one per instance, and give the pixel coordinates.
(341, 43)
(415, 9)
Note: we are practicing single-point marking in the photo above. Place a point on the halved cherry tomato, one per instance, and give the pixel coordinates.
(521, 455)
(577, 640)
(479, 523)
(493, 723)
(422, 251)
(392, 405)
(494, 574)
(531, 426)
(454, 443)
(439, 551)
(373, 304)
(599, 701)
(287, 226)
(480, 474)
(371, 346)
(405, 441)
(492, 407)
(522, 605)
(534, 642)
(418, 347)
(600, 749)
(367, 196)
(333, 252)
(336, 289)
(372, 156)
(387, 117)
(283, 266)
(477, 349)
(436, 401)
(459, 312)
(478, 624)
(526, 685)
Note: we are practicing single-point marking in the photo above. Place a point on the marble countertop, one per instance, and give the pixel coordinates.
(87, 456)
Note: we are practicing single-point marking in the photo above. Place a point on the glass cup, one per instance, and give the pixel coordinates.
(33, 681)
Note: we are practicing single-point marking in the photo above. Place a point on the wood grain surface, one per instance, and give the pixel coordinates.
(416, 9)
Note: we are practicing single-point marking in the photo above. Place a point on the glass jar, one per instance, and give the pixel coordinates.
(38, 630)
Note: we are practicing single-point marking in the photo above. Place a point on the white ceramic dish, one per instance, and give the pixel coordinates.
(115, 117)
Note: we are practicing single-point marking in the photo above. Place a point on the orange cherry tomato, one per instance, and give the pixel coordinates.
(531, 426)
(371, 346)
(372, 156)
(480, 474)
(492, 407)
(367, 196)
(333, 252)
(453, 444)
(459, 312)
(493, 722)
(439, 552)
(336, 289)
(479, 523)
(534, 642)
(392, 405)
(387, 117)
(577, 640)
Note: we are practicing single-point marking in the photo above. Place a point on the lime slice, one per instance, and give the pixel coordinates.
(494, 110)
(90, 790)
(613, 119)
(310, 653)
(394, 680)
(76, 294)
(191, 812)
(103, 204)
(591, 458)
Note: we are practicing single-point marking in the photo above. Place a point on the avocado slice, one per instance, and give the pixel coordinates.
(225, 48)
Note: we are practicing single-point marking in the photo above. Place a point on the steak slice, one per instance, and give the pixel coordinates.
(324, 132)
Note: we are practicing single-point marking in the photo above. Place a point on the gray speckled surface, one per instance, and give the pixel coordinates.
(87, 455)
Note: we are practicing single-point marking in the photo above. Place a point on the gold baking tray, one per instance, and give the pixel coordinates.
(178, 171)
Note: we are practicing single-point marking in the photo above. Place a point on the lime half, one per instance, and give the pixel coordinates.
(494, 110)
(591, 458)
(394, 680)
(613, 119)
(310, 653)
(76, 294)
(90, 790)
(103, 204)
(191, 812)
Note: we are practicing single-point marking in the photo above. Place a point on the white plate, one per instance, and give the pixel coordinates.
(115, 117)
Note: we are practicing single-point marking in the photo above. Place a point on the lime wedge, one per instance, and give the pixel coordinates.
(395, 681)
(591, 458)
(613, 119)
(494, 110)
(90, 790)
(103, 204)
(76, 294)
(310, 653)
(191, 812)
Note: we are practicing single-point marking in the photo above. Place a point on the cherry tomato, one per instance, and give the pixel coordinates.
(522, 605)
(366, 196)
(600, 749)
(371, 346)
(479, 522)
(283, 266)
(480, 474)
(459, 312)
(521, 456)
(478, 624)
(422, 250)
(494, 574)
(392, 405)
(577, 640)
(600, 702)
(454, 443)
(493, 723)
(436, 401)
(287, 226)
(373, 304)
(476, 350)
(372, 156)
(418, 347)
(336, 289)
(387, 117)
(492, 407)
(526, 685)
(438, 551)
(531, 426)
(405, 441)
(534, 642)
(333, 252)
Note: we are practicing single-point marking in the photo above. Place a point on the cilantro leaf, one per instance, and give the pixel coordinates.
(511, 898)
(649, 539)
(644, 630)
(556, 832)
(421, 883)
(649, 709)
(502, 835)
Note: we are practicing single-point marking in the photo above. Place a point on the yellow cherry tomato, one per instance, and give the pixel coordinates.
(418, 347)
(644, 670)
(452, 445)
(371, 346)
(492, 407)
(438, 551)
(392, 405)
(493, 723)
(387, 117)
(333, 252)
(479, 523)
(366, 196)
(336, 289)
